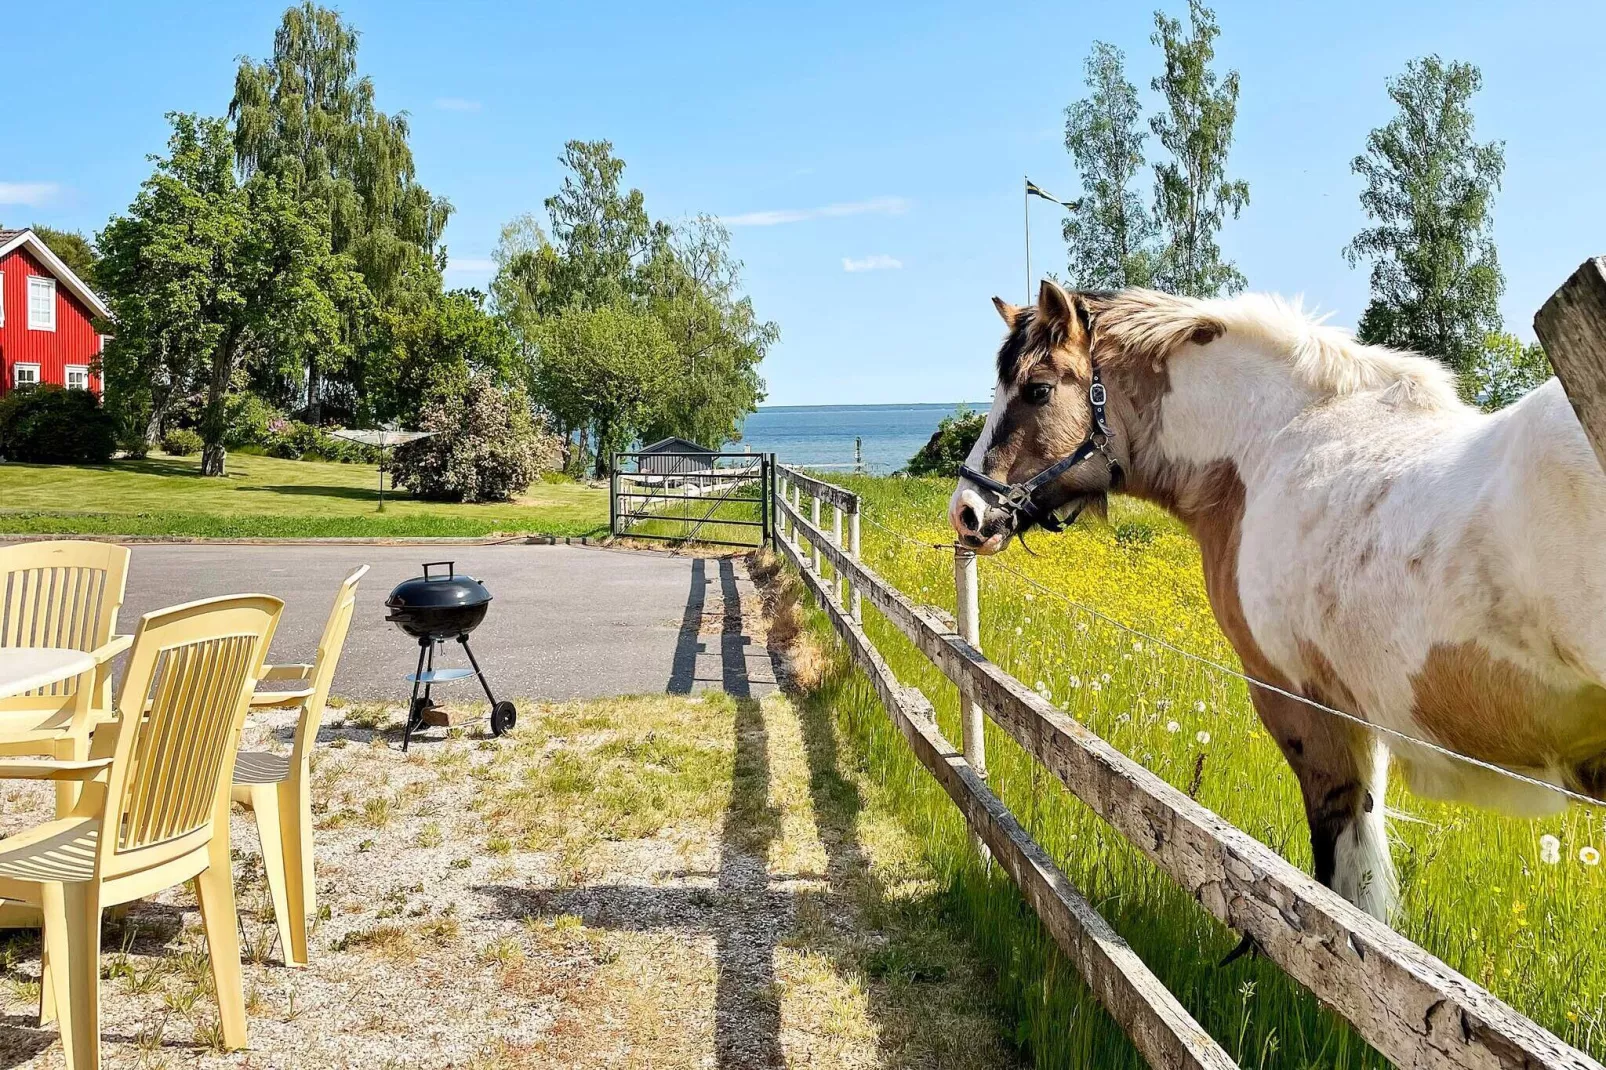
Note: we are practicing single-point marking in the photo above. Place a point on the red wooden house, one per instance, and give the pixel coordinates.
(47, 318)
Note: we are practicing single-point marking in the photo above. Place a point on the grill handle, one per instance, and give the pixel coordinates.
(451, 570)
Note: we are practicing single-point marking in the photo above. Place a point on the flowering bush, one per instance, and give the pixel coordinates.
(486, 446)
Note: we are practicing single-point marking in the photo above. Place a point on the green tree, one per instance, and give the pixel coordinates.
(949, 445)
(205, 274)
(716, 339)
(1192, 193)
(306, 118)
(1436, 280)
(1109, 233)
(434, 351)
(602, 369)
(1503, 370)
(75, 250)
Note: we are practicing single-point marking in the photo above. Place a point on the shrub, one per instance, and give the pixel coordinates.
(251, 421)
(53, 425)
(949, 445)
(181, 442)
(486, 446)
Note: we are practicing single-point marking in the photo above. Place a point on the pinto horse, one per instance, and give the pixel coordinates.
(1369, 541)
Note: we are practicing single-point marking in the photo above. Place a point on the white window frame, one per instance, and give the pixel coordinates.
(2, 298)
(39, 281)
(77, 369)
(16, 375)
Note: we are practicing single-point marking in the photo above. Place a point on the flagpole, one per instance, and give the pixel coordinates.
(1026, 204)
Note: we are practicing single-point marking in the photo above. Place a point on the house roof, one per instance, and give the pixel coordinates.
(673, 444)
(15, 239)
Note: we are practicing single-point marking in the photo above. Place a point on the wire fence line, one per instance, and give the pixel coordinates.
(1250, 681)
(1405, 1002)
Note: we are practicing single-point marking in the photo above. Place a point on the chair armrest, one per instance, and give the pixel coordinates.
(45, 769)
(287, 672)
(111, 648)
(261, 700)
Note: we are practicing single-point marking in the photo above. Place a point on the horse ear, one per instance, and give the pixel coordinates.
(1054, 305)
(1006, 310)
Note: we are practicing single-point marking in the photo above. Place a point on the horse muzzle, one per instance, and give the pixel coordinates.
(979, 525)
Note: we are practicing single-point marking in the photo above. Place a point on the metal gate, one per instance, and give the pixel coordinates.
(724, 499)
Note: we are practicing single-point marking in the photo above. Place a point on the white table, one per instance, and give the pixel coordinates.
(27, 668)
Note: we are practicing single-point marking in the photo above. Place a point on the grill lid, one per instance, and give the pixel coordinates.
(444, 588)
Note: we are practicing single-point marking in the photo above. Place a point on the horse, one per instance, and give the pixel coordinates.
(1369, 541)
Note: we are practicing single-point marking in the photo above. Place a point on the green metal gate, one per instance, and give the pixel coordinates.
(721, 499)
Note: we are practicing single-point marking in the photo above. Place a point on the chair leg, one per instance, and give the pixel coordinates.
(72, 934)
(297, 855)
(270, 822)
(309, 882)
(214, 888)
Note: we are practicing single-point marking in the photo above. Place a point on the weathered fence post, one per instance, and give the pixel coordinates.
(613, 497)
(972, 721)
(1572, 328)
(853, 549)
(797, 506)
(836, 537)
(814, 518)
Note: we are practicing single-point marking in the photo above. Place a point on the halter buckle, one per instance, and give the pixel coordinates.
(1096, 394)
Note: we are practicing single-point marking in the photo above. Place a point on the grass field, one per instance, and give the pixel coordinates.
(269, 498)
(1477, 890)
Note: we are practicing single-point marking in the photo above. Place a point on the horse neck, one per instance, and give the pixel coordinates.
(1212, 414)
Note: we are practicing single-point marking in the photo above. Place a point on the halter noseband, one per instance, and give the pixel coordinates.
(1020, 499)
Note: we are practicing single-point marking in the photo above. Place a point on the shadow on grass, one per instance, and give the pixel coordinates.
(324, 490)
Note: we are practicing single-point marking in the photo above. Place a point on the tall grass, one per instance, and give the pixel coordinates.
(1475, 888)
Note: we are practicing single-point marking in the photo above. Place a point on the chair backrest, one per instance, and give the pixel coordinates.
(191, 671)
(324, 663)
(60, 593)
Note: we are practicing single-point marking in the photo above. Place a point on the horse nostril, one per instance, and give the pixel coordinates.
(967, 517)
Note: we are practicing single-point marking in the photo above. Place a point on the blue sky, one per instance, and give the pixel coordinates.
(871, 154)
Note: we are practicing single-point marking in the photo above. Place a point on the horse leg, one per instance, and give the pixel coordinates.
(1342, 775)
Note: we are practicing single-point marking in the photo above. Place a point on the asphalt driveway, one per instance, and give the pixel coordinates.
(565, 622)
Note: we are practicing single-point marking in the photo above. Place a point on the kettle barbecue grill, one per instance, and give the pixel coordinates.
(433, 608)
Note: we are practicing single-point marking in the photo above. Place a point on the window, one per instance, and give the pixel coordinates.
(41, 304)
(25, 375)
(77, 377)
(2, 298)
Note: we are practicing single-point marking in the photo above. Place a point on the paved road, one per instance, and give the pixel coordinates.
(565, 622)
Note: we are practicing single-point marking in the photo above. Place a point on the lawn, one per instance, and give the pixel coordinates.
(269, 498)
(1477, 889)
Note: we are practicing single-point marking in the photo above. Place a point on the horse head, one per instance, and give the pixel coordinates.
(1048, 407)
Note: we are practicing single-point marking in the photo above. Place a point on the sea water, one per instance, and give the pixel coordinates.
(822, 436)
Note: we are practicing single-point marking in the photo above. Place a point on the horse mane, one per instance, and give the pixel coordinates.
(1146, 325)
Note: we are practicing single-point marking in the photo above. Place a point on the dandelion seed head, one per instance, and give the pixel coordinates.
(1203, 737)
(1549, 849)
(1173, 727)
(1589, 856)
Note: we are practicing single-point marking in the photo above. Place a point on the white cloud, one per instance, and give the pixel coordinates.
(32, 194)
(775, 217)
(878, 262)
(470, 265)
(456, 104)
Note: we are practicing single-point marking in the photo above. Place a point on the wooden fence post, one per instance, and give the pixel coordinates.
(972, 721)
(1572, 328)
(797, 504)
(814, 518)
(836, 537)
(853, 549)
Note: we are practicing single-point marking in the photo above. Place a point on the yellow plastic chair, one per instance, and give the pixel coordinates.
(277, 787)
(61, 593)
(152, 814)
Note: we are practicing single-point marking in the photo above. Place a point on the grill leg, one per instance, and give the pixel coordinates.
(483, 682)
(412, 703)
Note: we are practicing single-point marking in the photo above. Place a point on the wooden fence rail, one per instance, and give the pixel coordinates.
(1160, 1027)
(1408, 1004)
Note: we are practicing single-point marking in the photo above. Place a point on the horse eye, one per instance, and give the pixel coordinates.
(1039, 393)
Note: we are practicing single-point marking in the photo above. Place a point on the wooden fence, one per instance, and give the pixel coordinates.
(1406, 1003)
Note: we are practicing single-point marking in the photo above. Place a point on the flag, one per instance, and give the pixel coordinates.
(1034, 190)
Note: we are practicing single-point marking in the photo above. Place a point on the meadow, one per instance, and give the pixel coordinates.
(268, 497)
(1494, 897)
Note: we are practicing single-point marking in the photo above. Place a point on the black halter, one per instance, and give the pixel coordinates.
(1020, 499)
